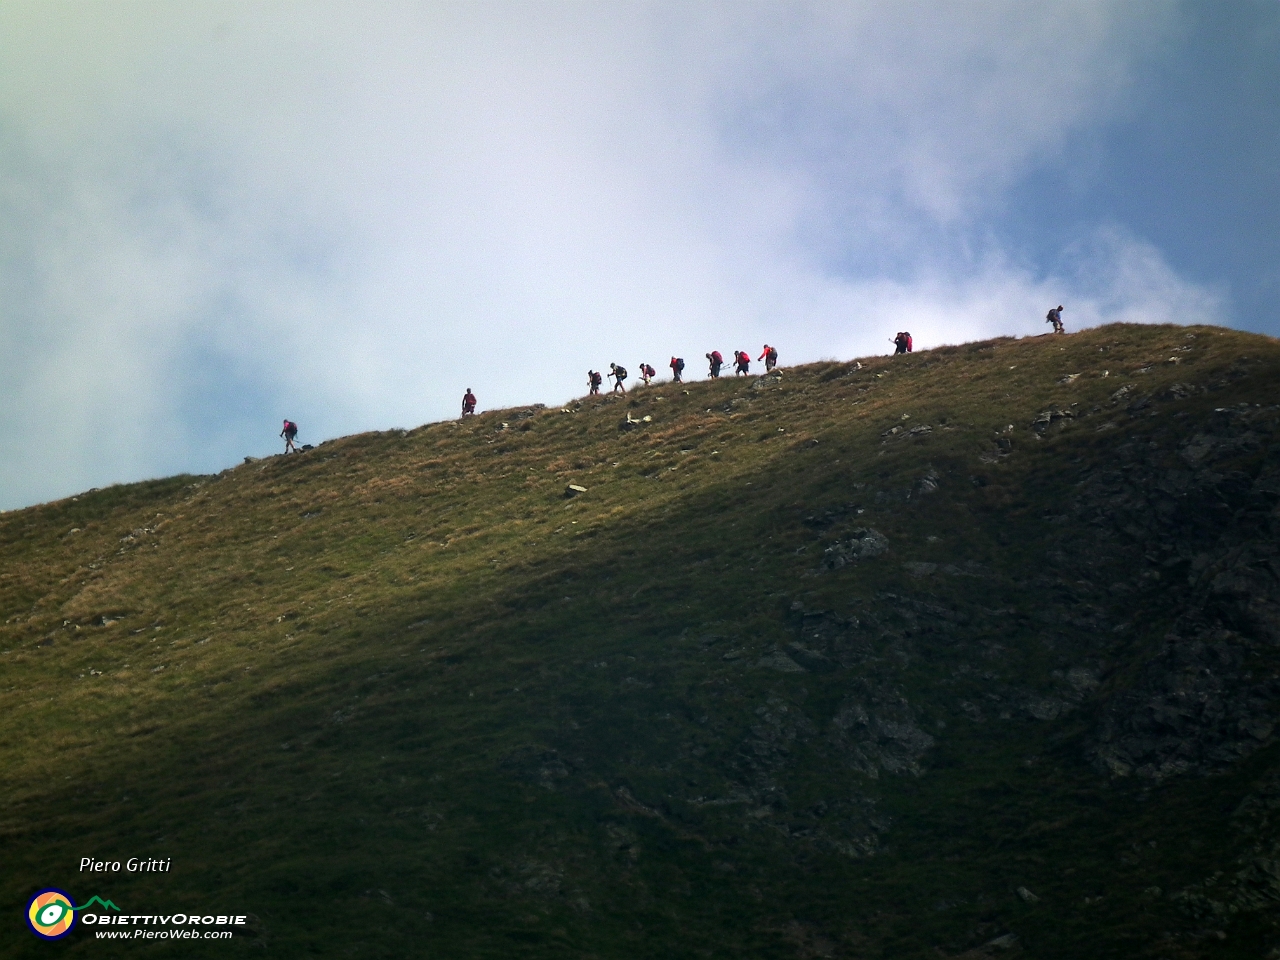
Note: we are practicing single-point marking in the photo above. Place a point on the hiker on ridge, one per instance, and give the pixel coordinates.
(900, 343)
(289, 432)
(619, 374)
(594, 380)
(677, 368)
(770, 358)
(468, 403)
(647, 373)
(1054, 316)
(742, 363)
(716, 361)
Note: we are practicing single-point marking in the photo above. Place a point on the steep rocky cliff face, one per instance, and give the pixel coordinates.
(1201, 531)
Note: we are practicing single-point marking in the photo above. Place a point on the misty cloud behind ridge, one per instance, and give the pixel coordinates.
(216, 216)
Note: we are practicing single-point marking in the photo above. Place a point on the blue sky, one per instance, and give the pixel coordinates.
(1188, 164)
(217, 215)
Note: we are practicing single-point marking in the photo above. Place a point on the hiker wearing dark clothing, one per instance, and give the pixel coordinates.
(742, 363)
(468, 403)
(594, 380)
(619, 374)
(1055, 317)
(770, 358)
(677, 368)
(647, 373)
(716, 362)
(289, 432)
(902, 343)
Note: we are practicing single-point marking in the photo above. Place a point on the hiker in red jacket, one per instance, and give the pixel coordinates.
(742, 363)
(716, 361)
(770, 358)
(468, 403)
(677, 368)
(289, 432)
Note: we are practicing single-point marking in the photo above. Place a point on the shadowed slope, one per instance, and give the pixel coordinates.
(969, 650)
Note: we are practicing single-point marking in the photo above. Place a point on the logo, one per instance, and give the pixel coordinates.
(50, 914)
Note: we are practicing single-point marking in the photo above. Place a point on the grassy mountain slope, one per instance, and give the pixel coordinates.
(971, 652)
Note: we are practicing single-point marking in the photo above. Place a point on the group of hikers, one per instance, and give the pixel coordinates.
(741, 365)
(715, 359)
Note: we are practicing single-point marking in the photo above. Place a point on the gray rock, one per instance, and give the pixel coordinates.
(777, 660)
(810, 659)
(1047, 708)
(1006, 942)
(1194, 708)
(928, 483)
(864, 544)
(877, 732)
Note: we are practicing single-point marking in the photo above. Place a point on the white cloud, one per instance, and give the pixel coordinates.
(228, 213)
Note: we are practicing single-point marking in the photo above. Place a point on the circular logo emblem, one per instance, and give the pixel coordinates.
(50, 914)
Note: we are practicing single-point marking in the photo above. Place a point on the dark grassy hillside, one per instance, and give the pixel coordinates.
(971, 652)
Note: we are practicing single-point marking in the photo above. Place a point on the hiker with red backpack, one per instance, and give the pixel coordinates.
(468, 403)
(619, 374)
(677, 368)
(770, 358)
(716, 361)
(593, 381)
(289, 432)
(742, 363)
(647, 373)
(902, 343)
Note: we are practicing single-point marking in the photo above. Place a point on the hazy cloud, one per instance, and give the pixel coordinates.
(218, 215)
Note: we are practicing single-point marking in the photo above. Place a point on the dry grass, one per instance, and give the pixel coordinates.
(300, 647)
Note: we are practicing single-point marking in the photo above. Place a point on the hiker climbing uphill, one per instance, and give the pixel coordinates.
(619, 374)
(677, 368)
(1054, 316)
(717, 361)
(647, 373)
(742, 363)
(902, 342)
(770, 358)
(289, 432)
(594, 379)
(468, 403)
